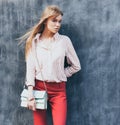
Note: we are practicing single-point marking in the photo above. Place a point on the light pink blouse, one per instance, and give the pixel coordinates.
(47, 64)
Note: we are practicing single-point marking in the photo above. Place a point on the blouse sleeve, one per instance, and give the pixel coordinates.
(72, 59)
(30, 69)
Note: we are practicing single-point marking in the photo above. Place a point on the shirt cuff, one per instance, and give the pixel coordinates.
(28, 83)
(67, 73)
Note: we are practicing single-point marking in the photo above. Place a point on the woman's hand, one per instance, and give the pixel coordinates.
(31, 103)
(31, 99)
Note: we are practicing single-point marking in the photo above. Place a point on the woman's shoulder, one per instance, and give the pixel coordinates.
(64, 37)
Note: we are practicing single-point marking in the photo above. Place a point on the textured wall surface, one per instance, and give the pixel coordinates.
(94, 28)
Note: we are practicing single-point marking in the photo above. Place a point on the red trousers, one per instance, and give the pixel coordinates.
(57, 100)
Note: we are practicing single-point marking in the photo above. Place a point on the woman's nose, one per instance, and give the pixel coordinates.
(57, 24)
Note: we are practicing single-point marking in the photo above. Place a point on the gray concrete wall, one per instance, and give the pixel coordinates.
(94, 28)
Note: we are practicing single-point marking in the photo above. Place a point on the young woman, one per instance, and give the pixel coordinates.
(51, 49)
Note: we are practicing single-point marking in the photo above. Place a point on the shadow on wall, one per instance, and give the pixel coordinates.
(3, 54)
(22, 116)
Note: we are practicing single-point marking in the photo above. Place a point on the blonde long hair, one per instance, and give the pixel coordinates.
(51, 10)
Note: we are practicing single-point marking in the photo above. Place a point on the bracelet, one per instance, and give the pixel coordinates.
(31, 99)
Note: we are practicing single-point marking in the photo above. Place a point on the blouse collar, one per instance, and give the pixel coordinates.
(55, 37)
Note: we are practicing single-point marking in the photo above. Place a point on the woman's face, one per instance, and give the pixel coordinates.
(53, 24)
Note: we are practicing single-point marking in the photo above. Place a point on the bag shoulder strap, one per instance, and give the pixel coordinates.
(35, 53)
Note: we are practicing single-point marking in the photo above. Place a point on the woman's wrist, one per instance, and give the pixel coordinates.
(31, 99)
(30, 87)
(31, 96)
(30, 92)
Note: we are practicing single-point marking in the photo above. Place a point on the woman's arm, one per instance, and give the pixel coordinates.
(72, 59)
(30, 70)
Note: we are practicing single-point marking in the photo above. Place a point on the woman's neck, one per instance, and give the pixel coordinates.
(47, 34)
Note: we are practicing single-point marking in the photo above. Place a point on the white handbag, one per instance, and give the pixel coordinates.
(40, 98)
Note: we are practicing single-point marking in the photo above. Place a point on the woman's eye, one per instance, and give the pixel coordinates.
(60, 21)
(54, 20)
